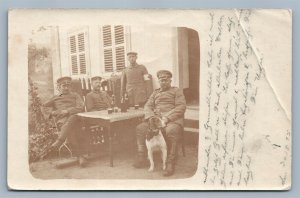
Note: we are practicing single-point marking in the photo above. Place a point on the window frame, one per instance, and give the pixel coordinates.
(75, 32)
(126, 44)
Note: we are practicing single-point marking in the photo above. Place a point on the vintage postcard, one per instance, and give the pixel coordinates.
(149, 99)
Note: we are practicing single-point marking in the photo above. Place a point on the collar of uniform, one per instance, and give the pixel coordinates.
(96, 91)
(61, 94)
(133, 66)
(160, 90)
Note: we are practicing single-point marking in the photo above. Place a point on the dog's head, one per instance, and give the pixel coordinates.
(155, 125)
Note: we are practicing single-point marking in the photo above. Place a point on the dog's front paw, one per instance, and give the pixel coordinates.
(151, 169)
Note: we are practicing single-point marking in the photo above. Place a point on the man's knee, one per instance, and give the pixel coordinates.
(141, 128)
(73, 119)
(71, 127)
(173, 131)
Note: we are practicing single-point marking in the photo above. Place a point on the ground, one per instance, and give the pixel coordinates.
(99, 168)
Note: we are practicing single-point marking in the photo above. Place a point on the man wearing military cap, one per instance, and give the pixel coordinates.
(168, 103)
(132, 81)
(64, 107)
(97, 100)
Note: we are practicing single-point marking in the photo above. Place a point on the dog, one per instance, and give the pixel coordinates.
(155, 141)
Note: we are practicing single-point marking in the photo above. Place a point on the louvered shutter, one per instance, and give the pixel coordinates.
(119, 34)
(108, 60)
(73, 53)
(82, 53)
(113, 47)
(120, 58)
(107, 43)
(78, 54)
(107, 36)
(120, 50)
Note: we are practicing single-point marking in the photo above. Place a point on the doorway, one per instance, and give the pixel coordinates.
(189, 64)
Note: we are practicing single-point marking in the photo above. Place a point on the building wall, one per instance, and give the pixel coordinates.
(183, 57)
(156, 46)
(157, 49)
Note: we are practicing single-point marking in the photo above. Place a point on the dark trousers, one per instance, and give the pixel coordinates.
(71, 130)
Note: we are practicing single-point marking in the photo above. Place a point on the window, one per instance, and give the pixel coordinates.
(78, 53)
(113, 41)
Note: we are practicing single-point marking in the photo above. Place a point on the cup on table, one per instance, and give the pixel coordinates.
(109, 110)
(116, 109)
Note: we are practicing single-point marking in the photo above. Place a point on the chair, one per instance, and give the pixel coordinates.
(182, 142)
(65, 144)
(96, 132)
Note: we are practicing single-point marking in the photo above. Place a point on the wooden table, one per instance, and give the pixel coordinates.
(107, 120)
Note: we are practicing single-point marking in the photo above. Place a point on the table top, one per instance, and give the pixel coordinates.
(131, 113)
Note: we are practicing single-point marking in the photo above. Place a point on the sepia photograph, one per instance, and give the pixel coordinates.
(113, 102)
(149, 99)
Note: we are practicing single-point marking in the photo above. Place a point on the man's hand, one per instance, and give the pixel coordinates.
(165, 121)
(64, 113)
(55, 113)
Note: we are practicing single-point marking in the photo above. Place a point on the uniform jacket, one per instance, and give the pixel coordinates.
(97, 101)
(133, 82)
(169, 103)
(70, 102)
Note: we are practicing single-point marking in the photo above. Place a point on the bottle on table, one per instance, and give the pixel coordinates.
(126, 101)
(113, 104)
(123, 105)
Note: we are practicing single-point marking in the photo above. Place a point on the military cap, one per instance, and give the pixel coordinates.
(131, 53)
(64, 80)
(164, 74)
(96, 78)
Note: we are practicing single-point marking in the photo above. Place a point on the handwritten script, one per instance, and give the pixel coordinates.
(231, 93)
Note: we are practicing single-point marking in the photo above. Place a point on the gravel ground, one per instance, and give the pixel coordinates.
(99, 168)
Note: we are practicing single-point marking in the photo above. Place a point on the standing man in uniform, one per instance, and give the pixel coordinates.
(97, 100)
(132, 81)
(168, 103)
(64, 108)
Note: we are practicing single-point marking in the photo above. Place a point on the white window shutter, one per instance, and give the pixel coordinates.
(78, 53)
(73, 45)
(107, 42)
(119, 34)
(82, 63)
(81, 42)
(74, 64)
(108, 60)
(113, 47)
(120, 58)
(73, 53)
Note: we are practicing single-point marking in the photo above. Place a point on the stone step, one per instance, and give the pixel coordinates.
(189, 123)
(191, 130)
(191, 136)
(191, 117)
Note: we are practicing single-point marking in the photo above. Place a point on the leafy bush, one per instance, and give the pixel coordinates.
(41, 131)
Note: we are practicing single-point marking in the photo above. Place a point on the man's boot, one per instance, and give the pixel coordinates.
(172, 155)
(141, 160)
(82, 161)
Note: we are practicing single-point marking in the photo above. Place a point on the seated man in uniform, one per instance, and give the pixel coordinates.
(168, 103)
(97, 100)
(64, 108)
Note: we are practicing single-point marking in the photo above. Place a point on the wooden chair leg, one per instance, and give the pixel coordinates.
(67, 148)
(183, 143)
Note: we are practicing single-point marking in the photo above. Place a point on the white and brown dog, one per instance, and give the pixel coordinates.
(155, 141)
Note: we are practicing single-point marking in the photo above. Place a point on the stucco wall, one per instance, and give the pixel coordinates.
(156, 47)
